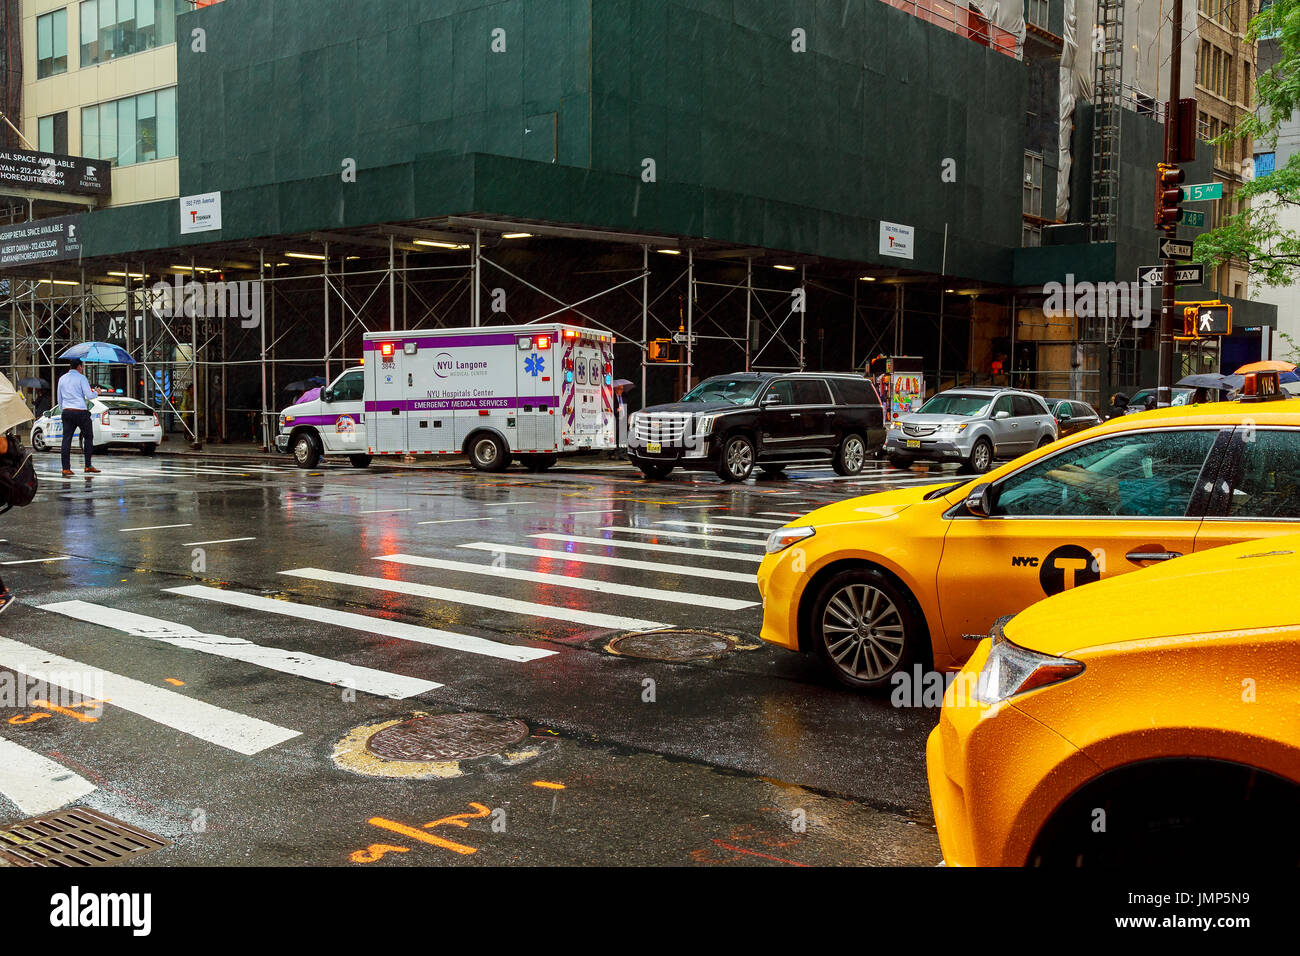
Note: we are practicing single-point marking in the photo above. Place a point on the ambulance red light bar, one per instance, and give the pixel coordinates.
(542, 342)
(386, 349)
(570, 334)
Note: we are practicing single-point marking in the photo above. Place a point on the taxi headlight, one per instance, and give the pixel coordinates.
(1011, 669)
(782, 538)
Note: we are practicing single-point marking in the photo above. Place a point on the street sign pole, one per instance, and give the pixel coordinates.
(1164, 391)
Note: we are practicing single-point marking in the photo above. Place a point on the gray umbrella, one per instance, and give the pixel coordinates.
(1211, 380)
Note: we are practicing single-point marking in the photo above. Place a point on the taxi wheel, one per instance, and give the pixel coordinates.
(737, 459)
(306, 451)
(864, 628)
(851, 456)
(38, 441)
(981, 458)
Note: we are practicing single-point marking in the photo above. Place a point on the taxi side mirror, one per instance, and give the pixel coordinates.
(981, 500)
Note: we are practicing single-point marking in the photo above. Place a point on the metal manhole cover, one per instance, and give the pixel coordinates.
(672, 645)
(77, 837)
(446, 737)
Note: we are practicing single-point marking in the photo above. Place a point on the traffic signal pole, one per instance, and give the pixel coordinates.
(1165, 380)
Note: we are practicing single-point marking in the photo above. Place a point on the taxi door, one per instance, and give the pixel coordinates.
(1258, 493)
(1094, 509)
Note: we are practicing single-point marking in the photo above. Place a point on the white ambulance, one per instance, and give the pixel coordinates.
(494, 393)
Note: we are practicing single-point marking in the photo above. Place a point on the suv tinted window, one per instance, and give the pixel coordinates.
(1146, 474)
(852, 391)
(1003, 404)
(811, 391)
(1024, 405)
(1268, 483)
(783, 388)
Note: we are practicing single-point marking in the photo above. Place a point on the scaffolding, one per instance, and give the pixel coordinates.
(1108, 99)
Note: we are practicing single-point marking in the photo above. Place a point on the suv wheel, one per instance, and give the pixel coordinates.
(737, 459)
(851, 455)
(981, 457)
(653, 470)
(1046, 440)
(864, 628)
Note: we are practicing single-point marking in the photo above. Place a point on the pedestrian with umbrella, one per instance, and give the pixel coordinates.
(620, 417)
(42, 390)
(75, 396)
(17, 476)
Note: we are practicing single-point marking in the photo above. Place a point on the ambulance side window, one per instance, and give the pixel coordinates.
(349, 387)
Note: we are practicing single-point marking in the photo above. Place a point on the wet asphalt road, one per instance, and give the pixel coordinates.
(226, 749)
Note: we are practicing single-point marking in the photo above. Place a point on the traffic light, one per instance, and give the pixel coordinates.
(662, 350)
(1206, 319)
(1169, 194)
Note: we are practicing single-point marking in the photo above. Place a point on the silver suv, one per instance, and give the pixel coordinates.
(971, 426)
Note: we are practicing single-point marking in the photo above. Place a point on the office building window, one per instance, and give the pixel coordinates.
(137, 129)
(52, 44)
(1038, 13)
(1032, 203)
(1030, 234)
(114, 28)
(52, 133)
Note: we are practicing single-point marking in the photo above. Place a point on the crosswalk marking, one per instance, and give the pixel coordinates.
(580, 557)
(739, 529)
(493, 602)
(577, 583)
(651, 532)
(744, 519)
(225, 728)
(366, 624)
(647, 546)
(194, 544)
(377, 682)
(785, 514)
(157, 527)
(36, 784)
(39, 560)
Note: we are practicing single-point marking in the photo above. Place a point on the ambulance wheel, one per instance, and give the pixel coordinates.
(359, 461)
(488, 453)
(537, 463)
(306, 450)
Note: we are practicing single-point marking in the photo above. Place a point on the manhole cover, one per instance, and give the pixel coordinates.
(446, 737)
(672, 645)
(78, 837)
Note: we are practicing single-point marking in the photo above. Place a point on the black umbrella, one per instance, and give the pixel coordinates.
(1211, 380)
(33, 383)
(305, 384)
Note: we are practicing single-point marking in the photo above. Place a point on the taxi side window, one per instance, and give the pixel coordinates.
(1145, 475)
(1268, 483)
(350, 388)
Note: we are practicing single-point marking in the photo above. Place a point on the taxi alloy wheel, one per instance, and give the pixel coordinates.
(737, 459)
(864, 628)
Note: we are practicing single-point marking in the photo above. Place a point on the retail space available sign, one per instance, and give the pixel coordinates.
(45, 240)
(53, 172)
(201, 213)
(897, 240)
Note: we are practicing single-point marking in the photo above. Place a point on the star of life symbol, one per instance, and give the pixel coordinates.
(534, 365)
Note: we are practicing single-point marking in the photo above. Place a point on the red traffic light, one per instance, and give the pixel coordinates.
(1169, 194)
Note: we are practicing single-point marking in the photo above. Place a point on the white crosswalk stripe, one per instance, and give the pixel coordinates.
(216, 725)
(581, 557)
(651, 532)
(726, 527)
(744, 520)
(569, 581)
(36, 784)
(493, 602)
(785, 514)
(647, 546)
(371, 681)
(365, 623)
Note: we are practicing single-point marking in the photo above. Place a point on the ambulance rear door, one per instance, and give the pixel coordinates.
(536, 373)
(386, 408)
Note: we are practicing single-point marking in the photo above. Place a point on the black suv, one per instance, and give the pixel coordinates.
(730, 423)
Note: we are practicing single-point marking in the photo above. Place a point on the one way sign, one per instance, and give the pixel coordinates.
(1183, 275)
(1180, 249)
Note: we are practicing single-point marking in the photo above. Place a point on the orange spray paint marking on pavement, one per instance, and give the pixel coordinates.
(459, 819)
(376, 851)
(84, 718)
(29, 718)
(420, 835)
(547, 785)
(174, 681)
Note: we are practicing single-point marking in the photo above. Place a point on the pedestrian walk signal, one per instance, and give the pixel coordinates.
(1206, 319)
(664, 351)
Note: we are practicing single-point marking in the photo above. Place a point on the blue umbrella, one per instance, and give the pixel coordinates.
(99, 352)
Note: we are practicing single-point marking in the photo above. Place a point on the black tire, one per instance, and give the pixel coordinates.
(1045, 441)
(895, 639)
(850, 456)
(38, 441)
(306, 450)
(898, 462)
(359, 461)
(488, 453)
(538, 463)
(772, 470)
(654, 471)
(148, 449)
(981, 458)
(736, 458)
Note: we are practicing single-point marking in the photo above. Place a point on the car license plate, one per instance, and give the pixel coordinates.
(654, 447)
(121, 435)
(913, 443)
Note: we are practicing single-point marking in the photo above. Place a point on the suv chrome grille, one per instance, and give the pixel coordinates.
(665, 427)
(918, 431)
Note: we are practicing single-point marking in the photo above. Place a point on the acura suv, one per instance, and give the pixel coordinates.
(729, 424)
(972, 426)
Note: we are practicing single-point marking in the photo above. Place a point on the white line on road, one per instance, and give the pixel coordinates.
(384, 511)
(157, 527)
(646, 546)
(598, 511)
(195, 544)
(35, 783)
(745, 520)
(39, 560)
(726, 527)
(581, 557)
(651, 532)
(458, 520)
(225, 728)
(570, 581)
(491, 602)
(377, 682)
(785, 514)
(366, 624)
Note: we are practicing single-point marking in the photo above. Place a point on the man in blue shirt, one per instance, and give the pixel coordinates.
(75, 396)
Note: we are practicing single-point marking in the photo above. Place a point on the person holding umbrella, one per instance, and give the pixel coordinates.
(75, 396)
(620, 418)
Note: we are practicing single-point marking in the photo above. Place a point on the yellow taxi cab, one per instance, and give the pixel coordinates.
(918, 576)
(1151, 718)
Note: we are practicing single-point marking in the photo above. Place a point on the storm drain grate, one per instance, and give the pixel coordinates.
(446, 737)
(672, 645)
(72, 838)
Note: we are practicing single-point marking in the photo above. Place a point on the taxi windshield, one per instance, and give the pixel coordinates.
(955, 403)
(736, 391)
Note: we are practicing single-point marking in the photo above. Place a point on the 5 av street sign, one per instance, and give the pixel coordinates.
(1202, 192)
(1180, 249)
(1183, 275)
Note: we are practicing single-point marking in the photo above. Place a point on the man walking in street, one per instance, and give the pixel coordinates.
(75, 396)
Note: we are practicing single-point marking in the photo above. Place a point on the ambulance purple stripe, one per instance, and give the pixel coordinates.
(457, 404)
(447, 341)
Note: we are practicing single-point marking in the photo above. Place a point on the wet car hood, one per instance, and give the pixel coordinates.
(705, 408)
(883, 504)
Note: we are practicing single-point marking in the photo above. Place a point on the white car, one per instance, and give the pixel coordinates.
(114, 421)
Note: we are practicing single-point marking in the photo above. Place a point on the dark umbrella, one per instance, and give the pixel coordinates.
(33, 383)
(621, 381)
(1211, 380)
(305, 384)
